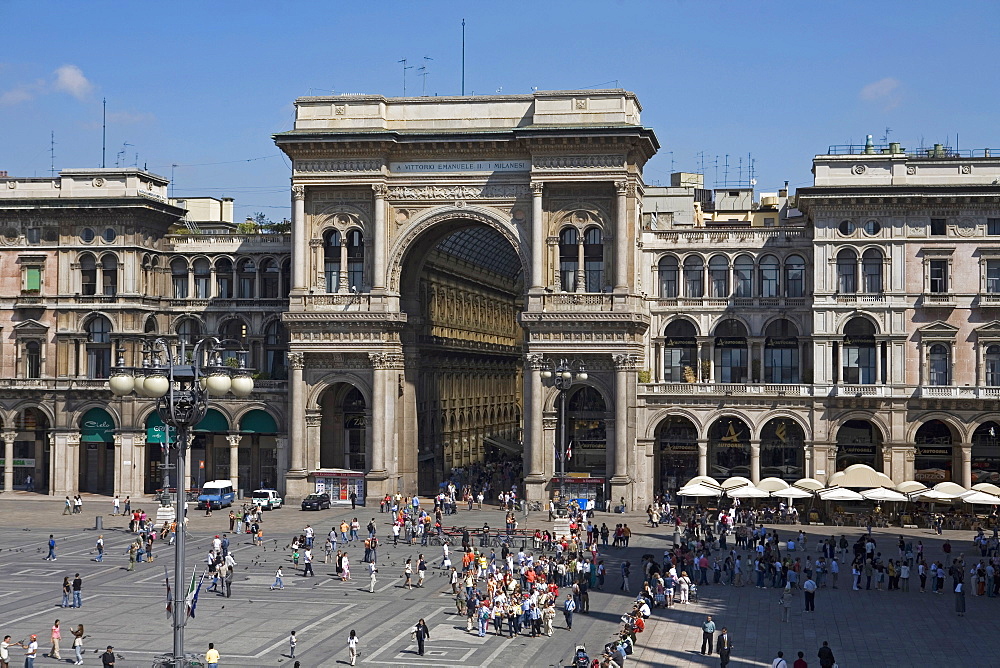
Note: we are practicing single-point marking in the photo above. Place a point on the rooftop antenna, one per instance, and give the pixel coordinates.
(172, 168)
(700, 155)
(740, 172)
(463, 57)
(104, 133)
(120, 159)
(52, 153)
(405, 67)
(422, 73)
(671, 154)
(725, 173)
(885, 137)
(715, 181)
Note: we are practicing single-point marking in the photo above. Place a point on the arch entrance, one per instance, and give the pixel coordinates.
(462, 288)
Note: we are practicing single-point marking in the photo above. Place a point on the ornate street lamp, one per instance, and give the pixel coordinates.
(182, 382)
(563, 374)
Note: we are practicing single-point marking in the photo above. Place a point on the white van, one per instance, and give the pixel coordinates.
(266, 499)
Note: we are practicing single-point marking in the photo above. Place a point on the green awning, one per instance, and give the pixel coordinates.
(156, 431)
(258, 422)
(214, 421)
(96, 426)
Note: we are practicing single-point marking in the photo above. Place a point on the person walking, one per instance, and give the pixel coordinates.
(292, 642)
(372, 570)
(278, 582)
(68, 508)
(78, 637)
(825, 654)
(421, 633)
(786, 603)
(408, 574)
(52, 549)
(809, 587)
(707, 634)
(724, 646)
(421, 570)
(212, 656)
(960, 599)
(77, 591)
(307, 557)
(100, 549)
(569, 606)
(352, 646)
(779, 661)
(108, 658)
(55, 637)
(67, 592)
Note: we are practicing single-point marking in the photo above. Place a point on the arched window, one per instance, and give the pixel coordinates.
(234, 333)
(667, 270)
(109, 275)
(743, 277)
(769, 276)
(781, 352)
(179, 277)
(224, 278)
(275, 351)
(718, 277)
(680, 347)
(847, 272)
(202, 279)
(286, 278)
(939, 365)
(246, 279)
(593, 259)
(151, 326)
(871, 269)
(189, 331)
(32, 359)
(731, 352)
(693, 277)
(993, 366)
(270, 279)
(859, 352)
(331, 260)
(795, 276)
(569, 259)
(98, 347)
(355, 260)
(88, 275)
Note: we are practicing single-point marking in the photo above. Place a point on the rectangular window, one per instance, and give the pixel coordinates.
(674, 362)
(993, 227)
(567, 275)
(33, 235)
(732, 366)
(201, 286)
(939, 227)
(993, 276)
(859, 365)
(180, 287)
(225, 285)
(769, 281)
(32, 279)
(769, 222)
(938, 274)
(743, 279)
(99, 361)
(795, 281)
(594, 270)
(781, 365)
(355, 271)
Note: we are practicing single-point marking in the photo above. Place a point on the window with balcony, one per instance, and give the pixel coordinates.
(109, 275)
(32, 359)
(939, 365)
(938, 277)
(993, 276)
(188, 331)
(718, 277)
(202, 278)
(847, 272)
(680, 347)
(593, 259)
(859, 353)
(275, 351)
(781, 352)
(694, 270)
(98, 347)
(569, 259)
(871, 271)
(992, 362)
(731, 359)
(331, 260)
(667, 269)
(769, 272)
(270, 279)
(224, 278)
(88, 275)
(179, 277)
(234, 333)
(743, 277)
(795, 276)
(246, 285)
(355, 260)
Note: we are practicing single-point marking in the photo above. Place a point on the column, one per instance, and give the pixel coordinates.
(623, 365)
(299, 258)
(342, 279)
(537, 236)
(8, 460)
(533, 445)
(623, 238)
(297, 417)
(581, 274)
(657, 362)
(966, 449)
(754, 461)
(378, 248)
(378, 401)
(878, 363)
(702, 457)
(234, 459)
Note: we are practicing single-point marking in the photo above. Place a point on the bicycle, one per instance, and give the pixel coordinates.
(167, 661)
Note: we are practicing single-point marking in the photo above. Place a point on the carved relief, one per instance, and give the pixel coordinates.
(626, 362)
(534, 362)
(298, 192)
(296, 360)
(612, 161)
(386, 360)
(859, 169)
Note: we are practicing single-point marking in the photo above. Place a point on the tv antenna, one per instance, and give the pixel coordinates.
(405, 67)
(422, 73)
(52, 153)
(885, 137)
(120, 159)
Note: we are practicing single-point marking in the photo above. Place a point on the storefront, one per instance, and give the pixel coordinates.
(158, 436)
(97, 452)
(677, 449)
(986, 453)
(933, 461)
(782, 446)
(580, 487)
(729, 448)
(859, 442)
(339, 483)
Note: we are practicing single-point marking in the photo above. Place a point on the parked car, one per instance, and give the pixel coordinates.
(316, 502)
(266, 499)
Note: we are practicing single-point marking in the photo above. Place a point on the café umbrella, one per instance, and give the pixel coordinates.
(981, 498)
(839, 494)
(793, 493)
(699, 489)
(748, 492)
(883, 494)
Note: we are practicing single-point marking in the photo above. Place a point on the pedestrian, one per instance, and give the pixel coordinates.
(960, 599)
(809, 587)
(56, 637)
(707, 634)
(421, 570)
(68, 508)
(278, 583)
(352, 646)
(100, 549)
(779, 661)
(569, 606)
(307, 570)
(724, 647)
(67, 592)
(108, 657)
(626, 572)
(52, 549)
(800, 662)
(372, 570)
(292, 641)
(30, 651)
(421, 633)
(408, 574)
(354, 500)
(78, 637)
(212, 656)
(5, 652)
(78, 505)
(786, 603)
(77, 591)
(825, 655)
(116, 507)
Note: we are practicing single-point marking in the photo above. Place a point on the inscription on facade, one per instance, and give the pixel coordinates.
(439, 166)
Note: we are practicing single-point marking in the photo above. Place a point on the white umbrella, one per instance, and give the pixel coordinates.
(883, 494)
(711, 482)
(793, 493)
(987, 487)
(699, 490)
(933, 495)
(809, 483)
(749, 492)
(839, 494)
(736, 481)
(772, 484)
(981, 498)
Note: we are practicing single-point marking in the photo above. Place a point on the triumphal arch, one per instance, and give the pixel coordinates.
(446, 252)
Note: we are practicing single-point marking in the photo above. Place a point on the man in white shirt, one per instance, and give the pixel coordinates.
(30, 651)
(834, 571)
(779, 661)
(809, 587)
(5, 652)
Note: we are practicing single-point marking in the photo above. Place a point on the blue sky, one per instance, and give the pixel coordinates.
(203, 85)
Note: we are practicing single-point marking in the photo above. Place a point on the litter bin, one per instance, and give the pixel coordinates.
(99, 523)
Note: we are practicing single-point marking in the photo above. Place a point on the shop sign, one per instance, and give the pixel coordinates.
(680, 342)
(724, 342)
(20, 463)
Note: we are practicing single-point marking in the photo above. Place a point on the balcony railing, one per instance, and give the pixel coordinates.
(938, 299)
(734, 302)
(989, 299)
(864, 298)
(743, 236)
(764, 389)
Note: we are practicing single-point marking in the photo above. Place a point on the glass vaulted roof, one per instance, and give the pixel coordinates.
(483, 247)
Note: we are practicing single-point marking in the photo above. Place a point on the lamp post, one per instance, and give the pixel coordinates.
(563, 374)
(182, 383)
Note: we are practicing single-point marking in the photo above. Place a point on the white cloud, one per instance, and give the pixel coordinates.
(70, 79)
(21, 93)
(887, 92)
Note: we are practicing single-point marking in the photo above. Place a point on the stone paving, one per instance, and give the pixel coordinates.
(866, 628)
